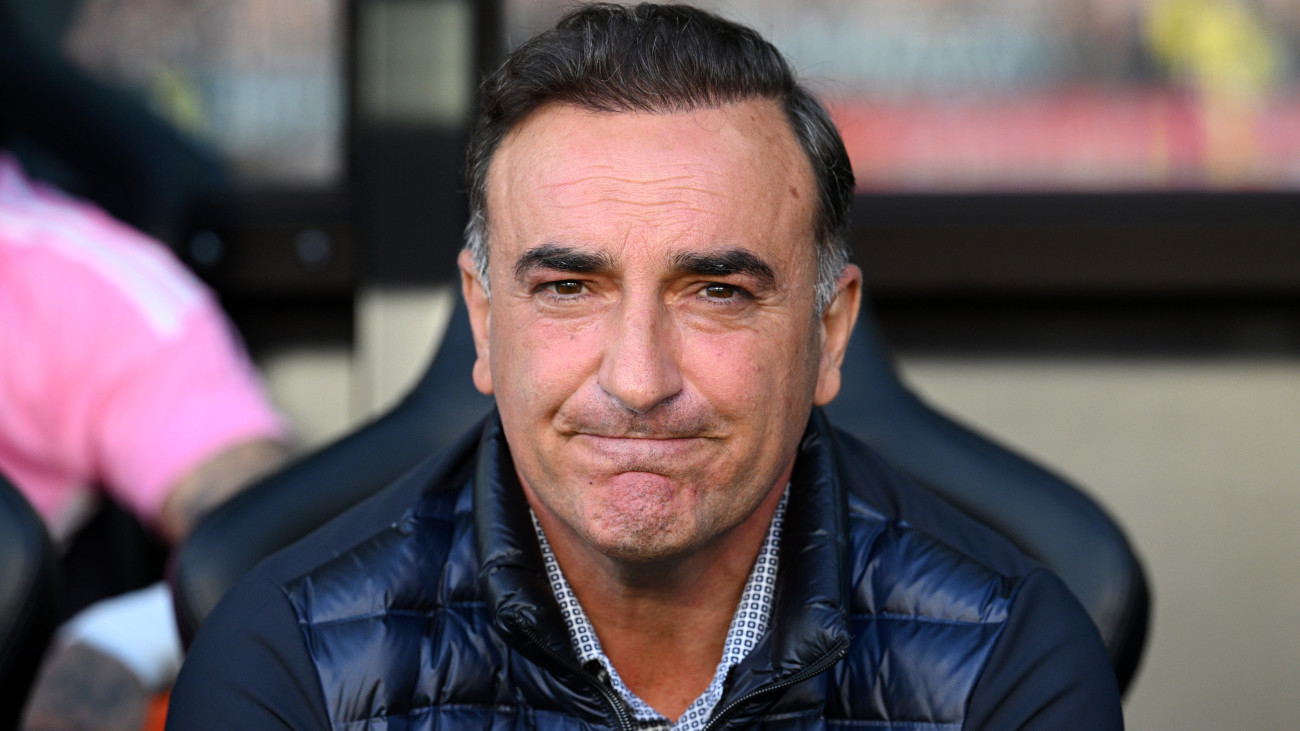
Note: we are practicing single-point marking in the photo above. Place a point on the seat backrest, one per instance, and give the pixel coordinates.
(28, 599)
(1042, 514)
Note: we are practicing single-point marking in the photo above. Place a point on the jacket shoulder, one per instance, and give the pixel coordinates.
(313, 626)
(924, 619)
(903, 571)
(944, 639)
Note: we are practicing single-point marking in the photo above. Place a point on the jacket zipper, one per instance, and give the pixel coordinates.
(824, 663)
(611, 698)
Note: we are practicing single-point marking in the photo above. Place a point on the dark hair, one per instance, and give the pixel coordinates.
(659, 58)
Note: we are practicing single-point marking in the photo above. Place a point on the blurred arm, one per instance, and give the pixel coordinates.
(215, 481)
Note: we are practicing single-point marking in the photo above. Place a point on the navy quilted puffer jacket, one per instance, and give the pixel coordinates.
(427, 607)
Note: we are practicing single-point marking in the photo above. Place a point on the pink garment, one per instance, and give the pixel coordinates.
(117, 368)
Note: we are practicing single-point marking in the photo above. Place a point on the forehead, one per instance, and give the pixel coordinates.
(734, 175)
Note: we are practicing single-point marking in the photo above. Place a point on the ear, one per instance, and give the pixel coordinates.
(837, 325)
(476, 300)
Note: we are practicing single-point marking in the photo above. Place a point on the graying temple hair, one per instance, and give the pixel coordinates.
(659, 58)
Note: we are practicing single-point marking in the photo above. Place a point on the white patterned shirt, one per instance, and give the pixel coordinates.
(747, 626)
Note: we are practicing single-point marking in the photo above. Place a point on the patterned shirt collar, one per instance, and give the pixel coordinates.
(747, 626)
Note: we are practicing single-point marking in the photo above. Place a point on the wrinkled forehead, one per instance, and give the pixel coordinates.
(736, 167)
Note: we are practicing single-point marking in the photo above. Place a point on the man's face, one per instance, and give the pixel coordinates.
(651, 335)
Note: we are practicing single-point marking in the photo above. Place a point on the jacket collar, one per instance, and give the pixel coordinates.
(810, 615)
(510, 561)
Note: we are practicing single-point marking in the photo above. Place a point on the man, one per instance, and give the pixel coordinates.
(119, 378)
(657, 527)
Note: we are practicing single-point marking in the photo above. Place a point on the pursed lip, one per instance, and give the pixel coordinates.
(639, 445)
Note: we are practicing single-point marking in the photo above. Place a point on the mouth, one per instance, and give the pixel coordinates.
(637, 437)
(639, 448)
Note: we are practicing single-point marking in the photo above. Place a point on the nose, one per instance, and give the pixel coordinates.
(639, 369)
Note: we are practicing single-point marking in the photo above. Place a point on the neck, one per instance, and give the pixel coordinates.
(663, 623)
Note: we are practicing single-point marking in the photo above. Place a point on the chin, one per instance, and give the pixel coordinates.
(639, 538)
(638, 552)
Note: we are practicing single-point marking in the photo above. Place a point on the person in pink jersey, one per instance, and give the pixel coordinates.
(120, 378)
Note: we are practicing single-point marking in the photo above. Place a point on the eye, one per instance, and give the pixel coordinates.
(566, 288)
(721, 291)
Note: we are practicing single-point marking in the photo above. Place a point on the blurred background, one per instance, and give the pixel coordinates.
(1079, 222)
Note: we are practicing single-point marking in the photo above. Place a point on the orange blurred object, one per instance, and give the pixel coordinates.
(156, 716)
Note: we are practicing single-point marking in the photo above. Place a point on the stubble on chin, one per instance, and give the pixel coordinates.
(640, 520)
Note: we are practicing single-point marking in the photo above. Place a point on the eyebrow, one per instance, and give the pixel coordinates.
(563, 259)
(724, 264)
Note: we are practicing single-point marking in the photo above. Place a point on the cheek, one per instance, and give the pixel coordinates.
(537, 367)
(742, 375)
(761, 382)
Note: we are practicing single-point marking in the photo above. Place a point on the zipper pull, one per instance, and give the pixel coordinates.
(599, 672)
